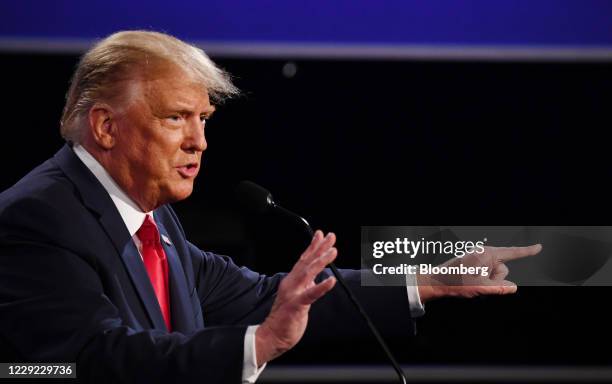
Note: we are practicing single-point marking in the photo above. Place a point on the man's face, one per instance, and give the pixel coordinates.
(160, 138)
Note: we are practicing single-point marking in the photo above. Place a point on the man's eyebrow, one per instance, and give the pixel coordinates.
(189, 111)
(209, 112)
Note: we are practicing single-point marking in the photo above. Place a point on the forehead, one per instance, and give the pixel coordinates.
(173, 88)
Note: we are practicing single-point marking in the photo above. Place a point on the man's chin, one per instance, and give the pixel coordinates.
(179, 194)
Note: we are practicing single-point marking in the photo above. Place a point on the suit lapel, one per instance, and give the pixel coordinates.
(183, 318)
(98, 200)
(133, 262)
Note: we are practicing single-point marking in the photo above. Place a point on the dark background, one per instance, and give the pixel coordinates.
(353, 143)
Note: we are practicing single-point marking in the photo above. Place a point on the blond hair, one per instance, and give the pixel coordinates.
(118, 58)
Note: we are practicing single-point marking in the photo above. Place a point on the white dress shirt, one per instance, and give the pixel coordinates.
(133, 217)
(414, 300)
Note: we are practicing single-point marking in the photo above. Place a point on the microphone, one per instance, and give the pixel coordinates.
(259, 200)
(256, 199)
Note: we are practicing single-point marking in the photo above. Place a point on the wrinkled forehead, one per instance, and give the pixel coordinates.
(167, 85)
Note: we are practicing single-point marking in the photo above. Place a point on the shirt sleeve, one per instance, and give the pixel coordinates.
(416, 306)
(250, 371)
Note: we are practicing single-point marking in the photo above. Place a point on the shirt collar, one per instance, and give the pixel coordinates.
(132, 216)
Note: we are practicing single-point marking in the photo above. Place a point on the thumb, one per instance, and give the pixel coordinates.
(312, 294)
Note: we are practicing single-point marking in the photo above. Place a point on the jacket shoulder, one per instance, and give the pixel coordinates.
(45, 197)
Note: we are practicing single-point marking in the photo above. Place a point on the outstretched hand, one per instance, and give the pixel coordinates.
(286, 323)
(495, 283)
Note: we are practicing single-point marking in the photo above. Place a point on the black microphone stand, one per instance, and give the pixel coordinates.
(347, 290)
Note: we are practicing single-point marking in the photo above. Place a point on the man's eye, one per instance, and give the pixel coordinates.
(203, 119)
(175, 118)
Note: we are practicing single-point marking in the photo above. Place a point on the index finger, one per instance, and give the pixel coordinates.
(504, 254)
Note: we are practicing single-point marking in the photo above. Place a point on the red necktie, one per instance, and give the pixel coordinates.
(156, 264)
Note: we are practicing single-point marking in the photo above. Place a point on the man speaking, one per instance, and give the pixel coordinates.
(95, 267)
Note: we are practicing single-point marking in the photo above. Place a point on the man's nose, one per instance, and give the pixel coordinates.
(195, 141)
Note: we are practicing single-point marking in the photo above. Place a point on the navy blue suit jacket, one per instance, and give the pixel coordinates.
(73, 288)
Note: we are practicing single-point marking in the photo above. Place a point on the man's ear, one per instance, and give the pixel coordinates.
(102, 126)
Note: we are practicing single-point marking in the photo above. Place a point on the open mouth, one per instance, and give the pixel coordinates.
(188, 170)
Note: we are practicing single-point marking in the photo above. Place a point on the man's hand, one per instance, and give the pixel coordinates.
(286, 323)
(436, 286)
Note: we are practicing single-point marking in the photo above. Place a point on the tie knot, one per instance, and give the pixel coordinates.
(147, 233)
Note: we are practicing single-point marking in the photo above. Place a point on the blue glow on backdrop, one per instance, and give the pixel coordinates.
(469, 22)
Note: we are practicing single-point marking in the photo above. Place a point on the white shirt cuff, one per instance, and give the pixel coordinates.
(250, 371)
(416, 307)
